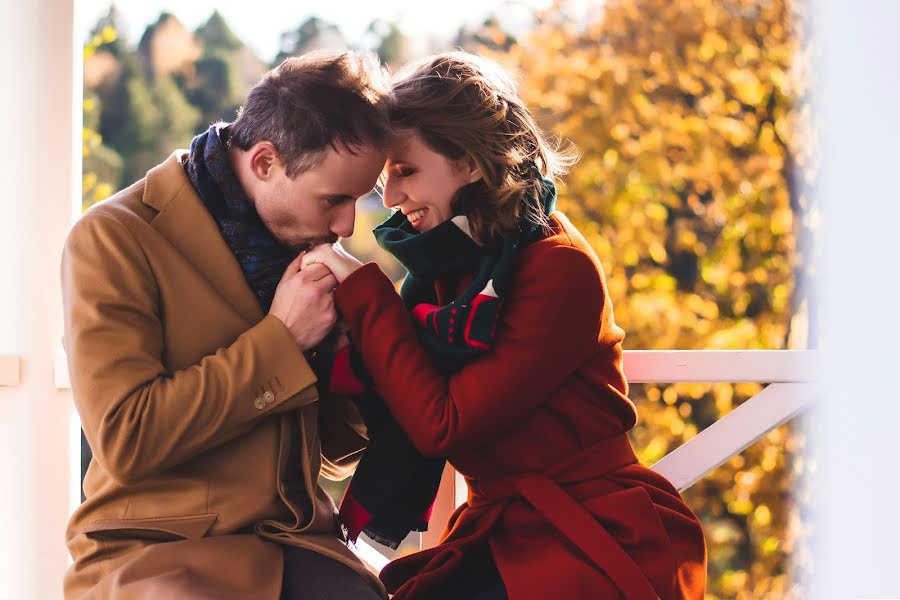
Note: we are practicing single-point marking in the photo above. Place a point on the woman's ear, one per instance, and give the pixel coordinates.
(264, 160)
(471, 170)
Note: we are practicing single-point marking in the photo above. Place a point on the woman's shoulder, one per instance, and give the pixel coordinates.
(562, 240)
(562, 252)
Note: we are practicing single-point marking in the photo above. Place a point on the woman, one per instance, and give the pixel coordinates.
(534, 413)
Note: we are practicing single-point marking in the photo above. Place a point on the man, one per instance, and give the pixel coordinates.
(189, 326)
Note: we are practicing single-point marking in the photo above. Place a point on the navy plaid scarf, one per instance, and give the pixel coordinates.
(262, 258)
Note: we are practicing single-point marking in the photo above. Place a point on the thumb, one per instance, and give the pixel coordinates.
(294, 267)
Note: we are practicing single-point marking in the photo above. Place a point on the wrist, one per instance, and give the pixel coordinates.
(348, 270)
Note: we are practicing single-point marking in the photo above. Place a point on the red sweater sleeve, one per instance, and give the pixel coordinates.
(550, 325)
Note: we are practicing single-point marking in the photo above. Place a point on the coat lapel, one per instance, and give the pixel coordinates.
(185, 222)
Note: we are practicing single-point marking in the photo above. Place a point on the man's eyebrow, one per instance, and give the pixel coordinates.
(338, 197)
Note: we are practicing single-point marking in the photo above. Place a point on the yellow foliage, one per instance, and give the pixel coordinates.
(689, 116)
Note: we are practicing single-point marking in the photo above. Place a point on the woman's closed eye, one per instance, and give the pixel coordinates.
(402, 172)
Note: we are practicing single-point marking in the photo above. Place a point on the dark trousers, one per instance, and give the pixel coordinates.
(310, 576)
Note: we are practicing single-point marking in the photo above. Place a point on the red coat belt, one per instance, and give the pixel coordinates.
(546, 494)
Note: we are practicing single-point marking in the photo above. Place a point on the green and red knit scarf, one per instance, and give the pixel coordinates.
(394, 487)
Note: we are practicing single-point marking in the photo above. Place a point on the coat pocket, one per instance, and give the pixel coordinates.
(156, 528)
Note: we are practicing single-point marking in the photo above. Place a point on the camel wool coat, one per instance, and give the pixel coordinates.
(208, 431)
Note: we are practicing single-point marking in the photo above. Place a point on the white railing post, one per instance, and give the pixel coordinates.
(37, 178)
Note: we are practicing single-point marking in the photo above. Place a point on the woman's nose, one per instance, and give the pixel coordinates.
(393, 195)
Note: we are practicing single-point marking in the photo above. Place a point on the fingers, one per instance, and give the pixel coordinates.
(327, 283)
(316, 272)
(320, 276)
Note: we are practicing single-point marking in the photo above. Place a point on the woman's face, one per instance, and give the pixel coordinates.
(422, 183)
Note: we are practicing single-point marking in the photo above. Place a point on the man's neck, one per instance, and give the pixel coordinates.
(237, 162)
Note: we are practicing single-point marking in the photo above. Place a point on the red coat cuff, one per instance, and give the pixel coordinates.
(365, 285)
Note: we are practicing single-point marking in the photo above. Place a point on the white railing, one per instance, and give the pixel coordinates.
(789, 374)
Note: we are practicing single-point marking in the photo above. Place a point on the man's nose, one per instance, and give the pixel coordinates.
(343, 223)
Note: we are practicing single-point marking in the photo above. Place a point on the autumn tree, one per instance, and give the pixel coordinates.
(312, 34)
(690, 118)
(101, 165)
(214, 85)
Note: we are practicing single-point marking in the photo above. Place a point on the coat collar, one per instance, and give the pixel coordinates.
(185, 222)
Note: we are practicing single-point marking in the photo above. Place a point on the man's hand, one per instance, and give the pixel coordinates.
(303, 302)
(333, 256)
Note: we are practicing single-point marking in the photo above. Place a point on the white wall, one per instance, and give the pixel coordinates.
(36, 195)
(858, 527)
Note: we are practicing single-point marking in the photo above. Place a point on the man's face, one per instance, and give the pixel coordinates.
(319, 205)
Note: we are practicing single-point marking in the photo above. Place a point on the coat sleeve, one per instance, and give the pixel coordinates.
(342, 431)
(139, 417)
(549, 326)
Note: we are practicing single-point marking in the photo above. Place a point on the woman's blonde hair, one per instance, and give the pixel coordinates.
(465, 106)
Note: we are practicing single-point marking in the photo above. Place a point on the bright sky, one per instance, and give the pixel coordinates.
(260, 24)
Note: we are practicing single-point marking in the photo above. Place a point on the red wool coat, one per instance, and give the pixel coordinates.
(537, 426)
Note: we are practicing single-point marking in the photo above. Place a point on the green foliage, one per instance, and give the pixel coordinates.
(489, 36)
(105, 36)
(216, 87)
(390, 43)
(313, 34)
(143, 108)
(101, 164)
(215, 34)
(144, 121)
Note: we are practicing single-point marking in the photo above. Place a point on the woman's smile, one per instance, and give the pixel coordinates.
(416, 216)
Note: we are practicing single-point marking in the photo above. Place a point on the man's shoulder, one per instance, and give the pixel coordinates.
(140, 202)
(127, 202)
(123, 210)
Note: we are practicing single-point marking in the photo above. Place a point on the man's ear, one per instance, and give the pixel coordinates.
(264, 160)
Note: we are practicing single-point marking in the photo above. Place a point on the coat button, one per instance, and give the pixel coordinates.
(269, 397)
(259, 403)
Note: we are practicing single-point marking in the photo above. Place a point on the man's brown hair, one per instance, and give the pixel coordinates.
(310, 102)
